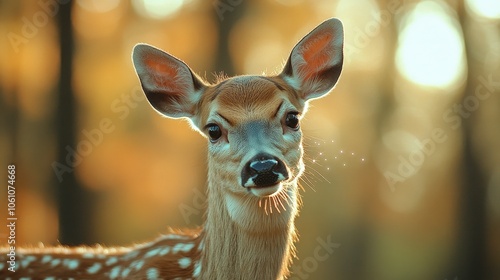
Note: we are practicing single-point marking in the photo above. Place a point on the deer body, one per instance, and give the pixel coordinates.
(254, 159)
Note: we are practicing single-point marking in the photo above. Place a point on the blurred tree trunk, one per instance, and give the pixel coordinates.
(472, 258)
(10, 125)
(74, 201)
(472, 223)
(228, 13)
(9, 105)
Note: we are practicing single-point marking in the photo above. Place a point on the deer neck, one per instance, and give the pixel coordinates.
(248, 239)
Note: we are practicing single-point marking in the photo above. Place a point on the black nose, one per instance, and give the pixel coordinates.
(263, 165)
(263, 170)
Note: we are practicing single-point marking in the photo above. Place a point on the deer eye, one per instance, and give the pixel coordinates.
(292, 120)
(214, 132)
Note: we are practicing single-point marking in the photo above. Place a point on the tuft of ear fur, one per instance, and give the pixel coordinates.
(169, 84)
(315, 63)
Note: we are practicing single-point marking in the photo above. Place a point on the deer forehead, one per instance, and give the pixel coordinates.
(243, 98)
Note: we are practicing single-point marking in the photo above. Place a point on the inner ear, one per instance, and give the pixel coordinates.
(169, 84)
(316, 54)
(315, 63)
(169, 77)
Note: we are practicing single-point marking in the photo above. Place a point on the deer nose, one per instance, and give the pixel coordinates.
(263, 170)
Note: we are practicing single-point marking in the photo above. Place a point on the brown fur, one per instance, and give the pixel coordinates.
(41, 267)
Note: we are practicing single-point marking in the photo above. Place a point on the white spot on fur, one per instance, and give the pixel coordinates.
(112, 260)
(130, 256)
(183, 247)
(184, 262)
(94, 269)
(173, 236)
(137, 264)
(197, 269)
(71, 264)
(88, 255)
(165, 251)
(152, 253)
(55, 262)
(46, 258)
(25, 278)
(115, 272)
(1, 266)
(50, 278)
(152, 274)
(125, 272)
(25, 262)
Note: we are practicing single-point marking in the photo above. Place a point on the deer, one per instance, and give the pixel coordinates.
(255, 160)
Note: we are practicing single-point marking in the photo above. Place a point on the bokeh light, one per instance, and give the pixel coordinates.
(488, 9)
(430, 48)
(157, 9)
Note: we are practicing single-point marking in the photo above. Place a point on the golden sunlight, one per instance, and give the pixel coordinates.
(157, 9)
(488, 9)
(430, 49)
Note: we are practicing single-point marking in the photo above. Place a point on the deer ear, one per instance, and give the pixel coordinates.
(315, 64)
(170, 86)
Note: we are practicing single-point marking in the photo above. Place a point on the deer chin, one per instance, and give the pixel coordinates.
(266, 191)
